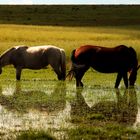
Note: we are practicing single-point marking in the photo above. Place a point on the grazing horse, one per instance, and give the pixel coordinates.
(120, 59)
(36, 57)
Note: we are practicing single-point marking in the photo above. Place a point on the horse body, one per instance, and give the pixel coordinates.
(120, 59)
(35, 58)
(105, 60)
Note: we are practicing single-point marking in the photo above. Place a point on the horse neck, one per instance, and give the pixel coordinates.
(5, 58)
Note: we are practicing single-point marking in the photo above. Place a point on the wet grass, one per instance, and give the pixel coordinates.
(35, 135)
(108, 131)
(107, 118)
(39, 107)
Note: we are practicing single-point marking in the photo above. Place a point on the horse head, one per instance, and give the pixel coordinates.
(133, 76)
(4, 58)
(133, 66)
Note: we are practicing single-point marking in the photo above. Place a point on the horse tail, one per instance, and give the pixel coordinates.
(74, 61)
(63, 64)
(73, 56)
(72, 69)
(74, 66)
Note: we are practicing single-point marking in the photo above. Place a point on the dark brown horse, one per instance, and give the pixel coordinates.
(120, 59)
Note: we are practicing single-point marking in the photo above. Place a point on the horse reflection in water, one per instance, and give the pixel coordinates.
(24, 100)
(124, 110)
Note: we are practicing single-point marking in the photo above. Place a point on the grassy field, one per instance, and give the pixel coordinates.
(39, 106)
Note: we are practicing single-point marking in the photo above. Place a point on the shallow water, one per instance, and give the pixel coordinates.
(52, 105)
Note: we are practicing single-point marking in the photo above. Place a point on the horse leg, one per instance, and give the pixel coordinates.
(56, 69)
(63, 64)
(18, 73)
(79, 83)
(118, 79)
(79, 75)
(125, 79)
(58, 72)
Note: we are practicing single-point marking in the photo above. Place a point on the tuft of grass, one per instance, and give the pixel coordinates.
(35, 135)
(107, 131)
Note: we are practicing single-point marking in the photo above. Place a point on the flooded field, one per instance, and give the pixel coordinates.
(58, 108)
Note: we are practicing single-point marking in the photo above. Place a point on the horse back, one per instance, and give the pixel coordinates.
(89, 51)
(35, 57)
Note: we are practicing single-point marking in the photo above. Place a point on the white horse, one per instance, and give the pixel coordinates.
(36, 57)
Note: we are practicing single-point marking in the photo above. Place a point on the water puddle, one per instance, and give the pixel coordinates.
(55, 106)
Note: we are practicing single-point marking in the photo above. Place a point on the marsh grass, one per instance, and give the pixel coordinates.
(35, 135)
(37, 104)
(108, 131)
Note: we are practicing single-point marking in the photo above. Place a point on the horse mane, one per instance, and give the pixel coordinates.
(11, 49)
(6, 52)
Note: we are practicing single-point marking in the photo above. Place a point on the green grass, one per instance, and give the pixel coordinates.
(108, 132)
(41, 102)
(35, 135)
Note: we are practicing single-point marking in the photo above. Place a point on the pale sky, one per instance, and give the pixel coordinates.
(69, 1)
